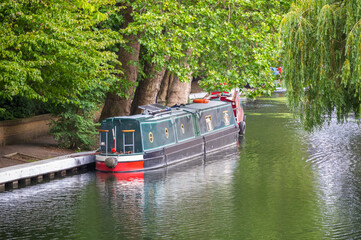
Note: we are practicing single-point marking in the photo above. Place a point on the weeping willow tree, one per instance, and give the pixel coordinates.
(321, 53)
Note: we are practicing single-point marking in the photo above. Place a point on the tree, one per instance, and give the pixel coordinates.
(51, 52)
(119, 99)
(68, 53)
(153, 24)
(231, 42)
(321, 59)
(148, 88)
(240, 44)
(163, 92)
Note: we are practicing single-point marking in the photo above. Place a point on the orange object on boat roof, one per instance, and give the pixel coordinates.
(201, 100)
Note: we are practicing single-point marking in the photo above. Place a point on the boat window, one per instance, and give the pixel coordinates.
(185, 127)
(103, 139)
(226, 118)
(166, 133)
(151, 137)
(209, 123)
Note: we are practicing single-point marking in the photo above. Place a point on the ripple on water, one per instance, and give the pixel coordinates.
(43, 211)
(334, 154)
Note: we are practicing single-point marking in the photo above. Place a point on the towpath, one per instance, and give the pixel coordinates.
(35, 149)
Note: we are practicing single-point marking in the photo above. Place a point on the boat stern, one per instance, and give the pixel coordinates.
(119, 163)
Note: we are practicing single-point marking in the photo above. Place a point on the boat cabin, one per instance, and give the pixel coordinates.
(159, 127)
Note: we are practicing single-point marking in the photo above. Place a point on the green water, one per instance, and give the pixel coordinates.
(278, 183)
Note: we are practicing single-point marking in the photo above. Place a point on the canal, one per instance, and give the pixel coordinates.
(280, 182)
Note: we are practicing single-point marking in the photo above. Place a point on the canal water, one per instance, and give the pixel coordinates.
(278, 183)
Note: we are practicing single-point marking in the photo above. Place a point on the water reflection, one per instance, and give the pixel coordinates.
(275, 185)
(334, 153)
(171, 202)
(318, 175)
(44, 211)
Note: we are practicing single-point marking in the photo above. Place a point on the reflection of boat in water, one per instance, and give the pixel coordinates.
(163, 136)
(221, 162)
(185, 174)
(139, 201)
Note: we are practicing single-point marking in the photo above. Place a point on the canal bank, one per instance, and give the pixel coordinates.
(39, 160)
(34, 149)
(36, 172)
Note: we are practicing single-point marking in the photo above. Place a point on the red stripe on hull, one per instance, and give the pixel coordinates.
(122, 177)
(121, 167)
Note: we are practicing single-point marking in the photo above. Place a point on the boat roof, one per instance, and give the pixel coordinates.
(137, 116)
(168, 112)
(204, 106)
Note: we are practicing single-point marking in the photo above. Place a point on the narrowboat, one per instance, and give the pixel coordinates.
(163, 136)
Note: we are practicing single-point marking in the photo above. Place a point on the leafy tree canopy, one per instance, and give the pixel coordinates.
(50, 52)
(321, 58)
(231, 42)
(64, 52)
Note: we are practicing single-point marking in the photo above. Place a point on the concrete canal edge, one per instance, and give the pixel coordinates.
(35, 172)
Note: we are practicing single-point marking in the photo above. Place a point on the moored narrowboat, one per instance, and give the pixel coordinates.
(162, 136)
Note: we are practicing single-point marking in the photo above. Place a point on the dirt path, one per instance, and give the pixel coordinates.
(36, 149)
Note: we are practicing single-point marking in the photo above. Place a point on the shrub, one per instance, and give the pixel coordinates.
(75, 129)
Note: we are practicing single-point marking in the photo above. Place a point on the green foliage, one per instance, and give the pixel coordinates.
(232, 42)
(20, 107)
(50, 52)
(64, 52)
(74, 129)
(75, 126)
(240, 44)
(321, 59)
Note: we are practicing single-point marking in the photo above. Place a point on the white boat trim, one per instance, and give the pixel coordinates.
(122, 158)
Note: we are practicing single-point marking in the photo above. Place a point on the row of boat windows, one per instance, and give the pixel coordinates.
(209, 125)
(151, 137)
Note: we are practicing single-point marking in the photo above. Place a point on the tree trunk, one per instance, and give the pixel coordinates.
(114, 104)
(165, 87)
(148, 88)
(179, 92)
